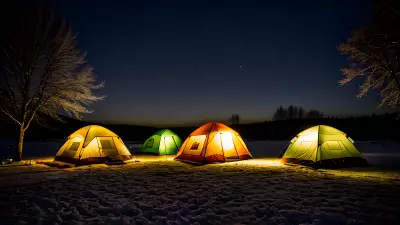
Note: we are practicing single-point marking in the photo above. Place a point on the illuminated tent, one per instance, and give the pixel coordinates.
(93, 144)
(163, 142)
(323, 146)
(213, 142)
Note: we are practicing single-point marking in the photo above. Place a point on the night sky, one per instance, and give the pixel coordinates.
(182, 62)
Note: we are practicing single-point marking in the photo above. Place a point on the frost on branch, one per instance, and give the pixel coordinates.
(374, 55)
(42, 71)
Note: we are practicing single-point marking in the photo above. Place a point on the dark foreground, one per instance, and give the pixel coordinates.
(170, 192)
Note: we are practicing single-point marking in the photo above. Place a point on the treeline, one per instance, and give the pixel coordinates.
(375, 127)
(296, 112)
(364, 128)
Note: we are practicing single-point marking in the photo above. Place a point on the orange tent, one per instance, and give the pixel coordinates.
(213, 142)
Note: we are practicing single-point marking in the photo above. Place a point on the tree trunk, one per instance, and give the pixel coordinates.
(20, 145)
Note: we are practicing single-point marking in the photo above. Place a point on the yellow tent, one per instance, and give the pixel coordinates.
(323, 146)
(93, 144)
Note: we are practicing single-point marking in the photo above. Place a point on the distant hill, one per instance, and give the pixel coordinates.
(359, 128)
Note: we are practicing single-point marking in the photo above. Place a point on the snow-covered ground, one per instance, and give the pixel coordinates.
(160, 191)
(169, 192)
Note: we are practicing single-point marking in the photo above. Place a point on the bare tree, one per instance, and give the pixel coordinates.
(291, 112)
(235, 119)
(374, 53)
(301, 112)
(280, 114)
(43, 72)
(295, 112)
(314, 114)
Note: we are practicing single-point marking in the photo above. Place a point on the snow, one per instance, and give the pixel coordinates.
(32, 149)
(159, 190)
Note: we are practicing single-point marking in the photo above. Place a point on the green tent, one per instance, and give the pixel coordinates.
(163, 142)
(323, 146)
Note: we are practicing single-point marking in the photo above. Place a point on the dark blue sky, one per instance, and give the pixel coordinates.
(174, 62)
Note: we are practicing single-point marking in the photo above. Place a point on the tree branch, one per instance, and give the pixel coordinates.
(29, 121)
(11, 90)
(391, 71)
(44, 78)
(64, 82)
(8, 114)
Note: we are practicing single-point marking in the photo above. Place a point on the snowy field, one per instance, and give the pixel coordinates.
(163, 191)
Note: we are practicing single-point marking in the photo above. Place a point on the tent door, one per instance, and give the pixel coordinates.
(228, 146)
(108, 147)
(168, 144)
(71, 148)
(195, 145)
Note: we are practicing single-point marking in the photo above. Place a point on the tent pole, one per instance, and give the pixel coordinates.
(316, 155)
(223, 153)
(66, 146)
(83, 147)
(347, 149)
(177, 149)
(233, 142)
(174, 141)
(329, 154)
(165, 145)
(165, 150)
(298, 150)
(206, 141)
(243, 146)
(282, 151)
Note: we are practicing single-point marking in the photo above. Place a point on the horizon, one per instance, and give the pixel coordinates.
(195, 123)
(224, 121)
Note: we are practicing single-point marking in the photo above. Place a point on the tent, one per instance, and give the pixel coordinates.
(213, 142)
(323, 146)
(163, 142)
(93, 144)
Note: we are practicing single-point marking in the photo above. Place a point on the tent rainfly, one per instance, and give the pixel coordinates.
(163, 142)
(93, 144)
(213, 142)
(323, 146)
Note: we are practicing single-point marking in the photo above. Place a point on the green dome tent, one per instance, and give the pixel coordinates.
(323, 146)
(163, 142)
